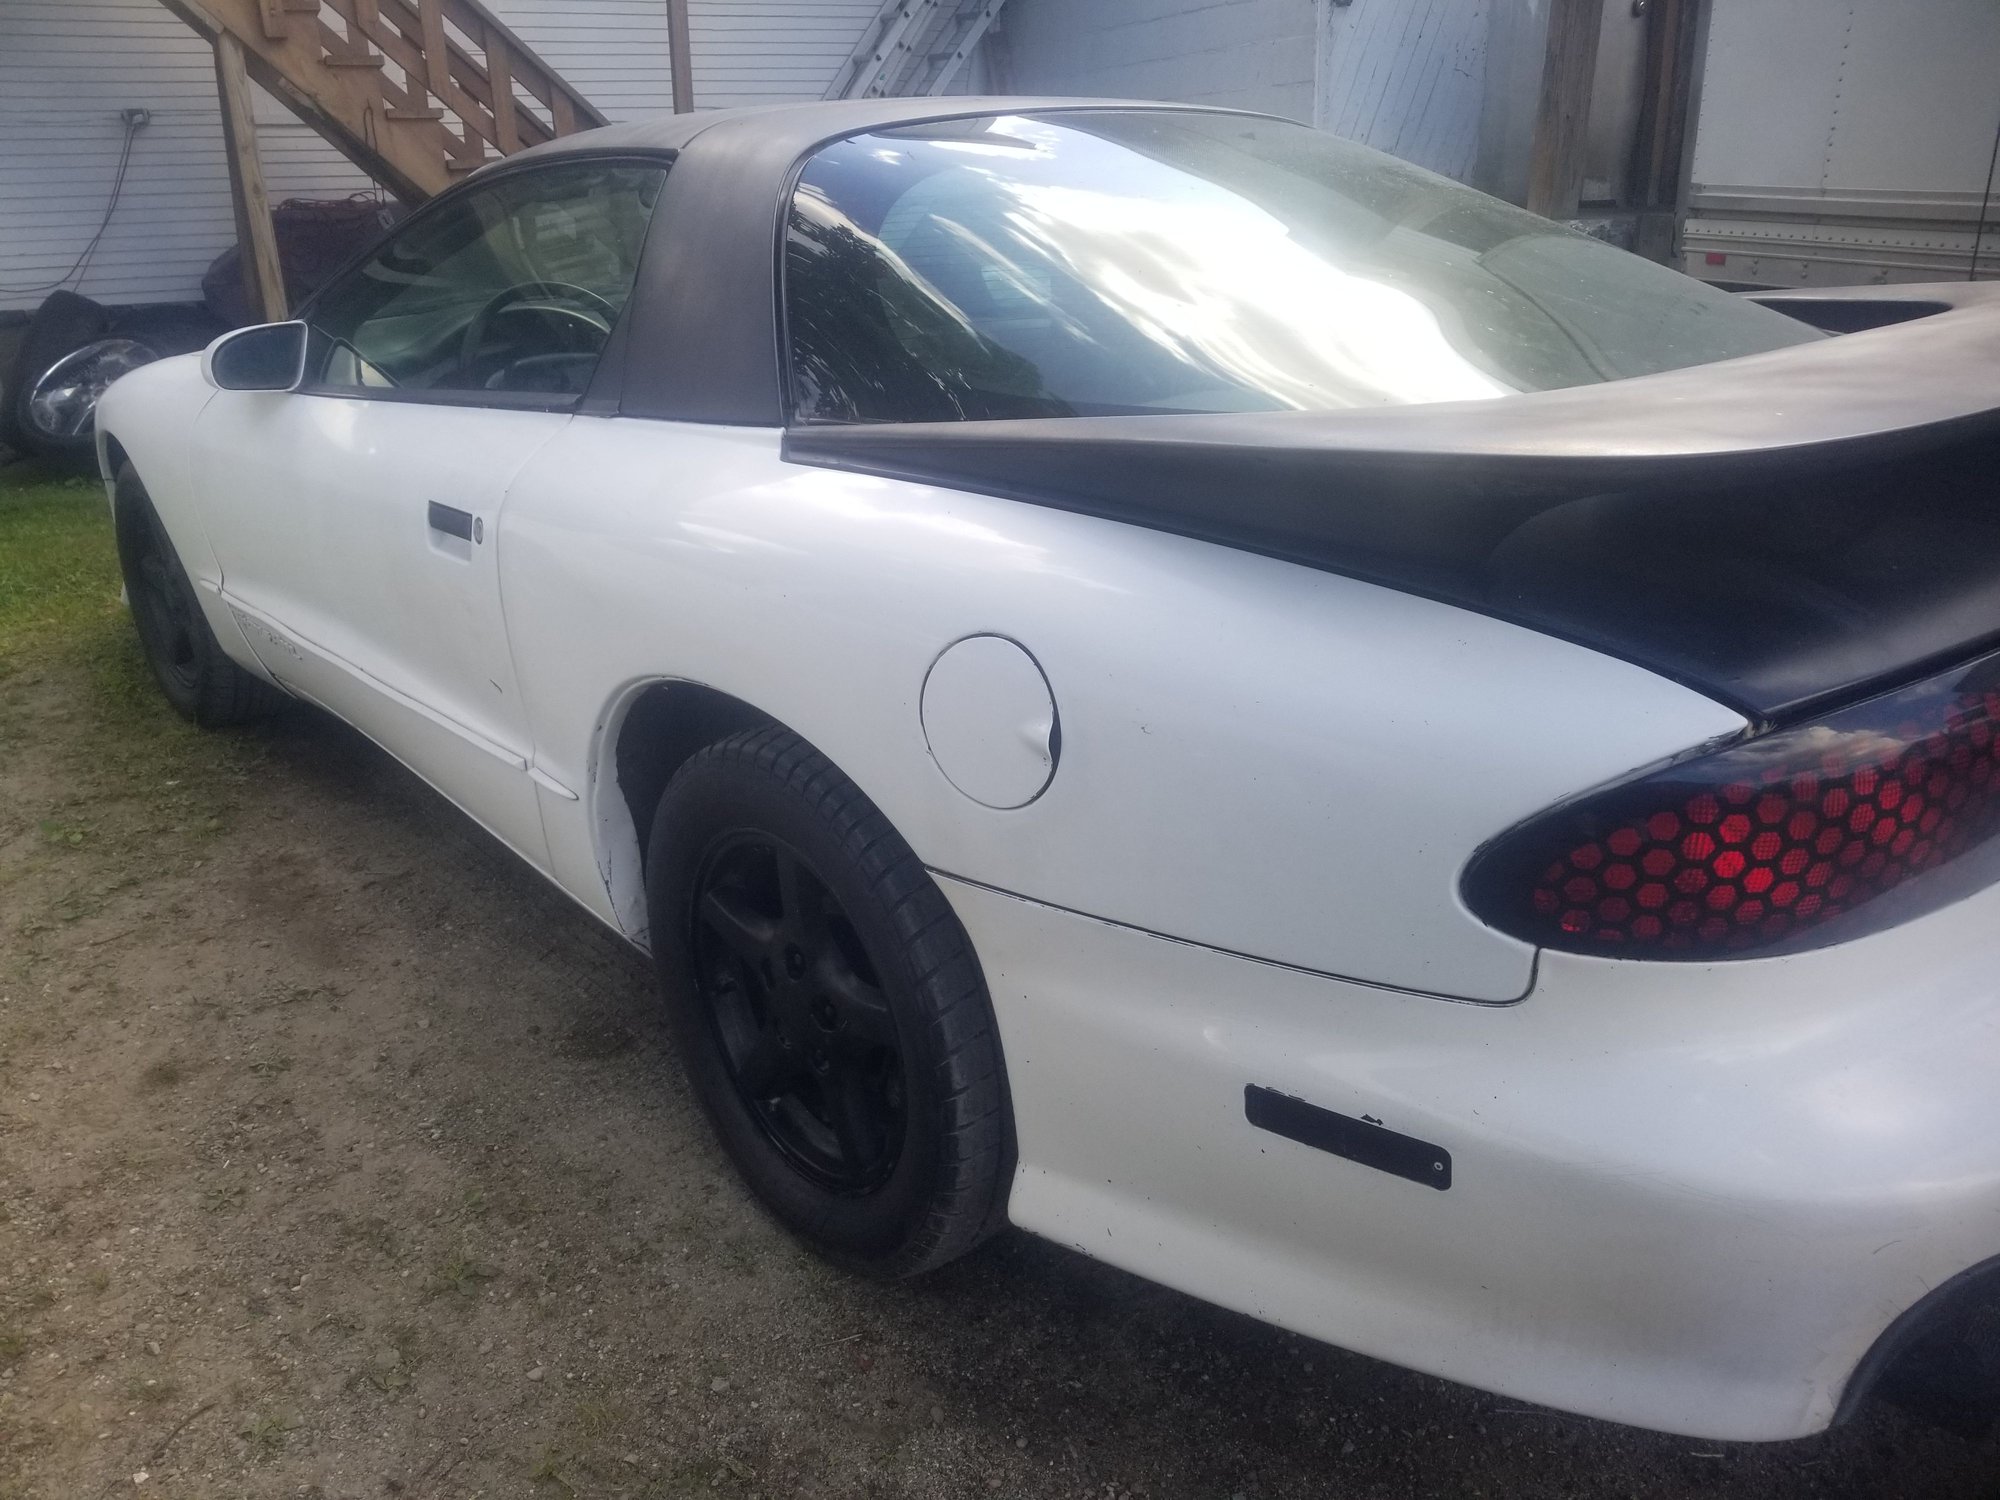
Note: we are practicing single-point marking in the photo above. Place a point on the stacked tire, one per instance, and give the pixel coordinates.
(72, 349)
(63, 324)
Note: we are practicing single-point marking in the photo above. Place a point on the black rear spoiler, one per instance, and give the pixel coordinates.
(1516, 506)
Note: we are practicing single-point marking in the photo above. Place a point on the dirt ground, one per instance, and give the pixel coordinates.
(341, 1157)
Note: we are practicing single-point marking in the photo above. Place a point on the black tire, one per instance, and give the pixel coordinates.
(200, 682)
(171, 328)
(63, 323)
(836, 1028)
(67, 395)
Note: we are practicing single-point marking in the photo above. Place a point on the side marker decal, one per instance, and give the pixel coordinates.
(1360, 1141)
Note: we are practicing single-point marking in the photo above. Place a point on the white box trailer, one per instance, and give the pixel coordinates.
(1839, 142)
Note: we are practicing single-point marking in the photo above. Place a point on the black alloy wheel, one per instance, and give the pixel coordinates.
(805, 1031)
(165, 612)
(828, 1007)
(193, 671)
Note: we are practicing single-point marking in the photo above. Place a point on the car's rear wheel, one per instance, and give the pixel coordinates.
(188, 662)
(828, 1007)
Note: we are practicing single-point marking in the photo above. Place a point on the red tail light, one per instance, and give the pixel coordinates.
(1777, 840)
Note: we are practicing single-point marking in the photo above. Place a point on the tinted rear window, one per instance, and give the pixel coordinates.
(1133, 261)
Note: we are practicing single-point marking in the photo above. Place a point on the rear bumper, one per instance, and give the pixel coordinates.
(1686, 1197)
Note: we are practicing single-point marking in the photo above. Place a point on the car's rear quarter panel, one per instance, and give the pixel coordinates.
(1256, 756)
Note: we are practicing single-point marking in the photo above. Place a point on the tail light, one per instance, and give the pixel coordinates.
(1776, 841)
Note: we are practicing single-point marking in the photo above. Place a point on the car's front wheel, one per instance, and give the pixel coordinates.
(199, 680)
(828, 1007)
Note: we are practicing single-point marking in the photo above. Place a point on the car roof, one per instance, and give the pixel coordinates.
(800, 127)
(698, 342)
(1415, 497)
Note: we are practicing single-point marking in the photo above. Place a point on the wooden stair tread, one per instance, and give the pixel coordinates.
(348, 67)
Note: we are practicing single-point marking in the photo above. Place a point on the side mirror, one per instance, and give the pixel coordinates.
(268, 357)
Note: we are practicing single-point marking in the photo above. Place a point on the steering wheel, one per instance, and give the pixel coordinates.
(538, 296)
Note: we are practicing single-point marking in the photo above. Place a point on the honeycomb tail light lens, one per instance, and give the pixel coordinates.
(1798, 837)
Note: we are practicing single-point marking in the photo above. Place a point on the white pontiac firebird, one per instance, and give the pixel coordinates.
(1151, 675)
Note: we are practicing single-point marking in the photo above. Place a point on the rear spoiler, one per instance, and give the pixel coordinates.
(1422, 498)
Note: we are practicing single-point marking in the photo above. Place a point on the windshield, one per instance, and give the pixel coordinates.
(1132, 261)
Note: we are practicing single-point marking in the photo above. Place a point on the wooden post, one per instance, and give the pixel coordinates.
(1569, 66)
(680, 55)
(256, 240)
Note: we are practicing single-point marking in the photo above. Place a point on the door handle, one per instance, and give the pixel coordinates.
(455, 522)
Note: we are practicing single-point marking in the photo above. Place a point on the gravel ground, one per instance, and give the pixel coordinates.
(341, 1157)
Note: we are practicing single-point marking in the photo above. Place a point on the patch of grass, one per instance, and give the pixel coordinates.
(594, 1419)
(60, 610)
(64, 835)
(58, 562)
(12, 1344)
(547, 1469)
(222, 1200)
(461, 1275)
(266, 1434)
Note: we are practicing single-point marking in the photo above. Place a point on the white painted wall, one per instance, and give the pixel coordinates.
(68, 66)
(771, 51)
(1244, 54)
(745, 51)
(1407, 77)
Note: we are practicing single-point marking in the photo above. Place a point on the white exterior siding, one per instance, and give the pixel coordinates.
(1244, 54)
(68, 66)
(66, 69)
(771, 51)
(745, 51)
(1407, 77)
(614, 52)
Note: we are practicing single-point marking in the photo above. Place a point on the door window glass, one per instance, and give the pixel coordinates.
(510, 287)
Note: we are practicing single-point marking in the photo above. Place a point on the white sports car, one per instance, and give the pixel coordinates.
(1150, 674)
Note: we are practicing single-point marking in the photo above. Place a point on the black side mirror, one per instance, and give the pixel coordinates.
(269, 357)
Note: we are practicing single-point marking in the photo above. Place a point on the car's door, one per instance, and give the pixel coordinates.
(355, 519)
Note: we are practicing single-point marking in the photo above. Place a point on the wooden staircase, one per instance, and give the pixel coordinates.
(414, 92)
